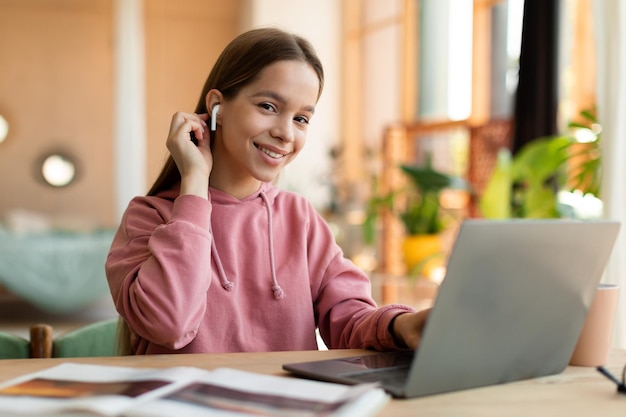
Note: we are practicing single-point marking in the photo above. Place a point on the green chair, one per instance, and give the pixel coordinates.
(96, 339)
(13, 347)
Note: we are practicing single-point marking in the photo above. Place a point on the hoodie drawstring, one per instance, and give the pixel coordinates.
(228, 285)
(279, 294)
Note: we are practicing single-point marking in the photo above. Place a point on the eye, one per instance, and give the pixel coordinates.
(302, 120)
(268, 106)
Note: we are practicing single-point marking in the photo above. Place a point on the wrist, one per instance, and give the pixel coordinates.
(396, 333)
(195, 185)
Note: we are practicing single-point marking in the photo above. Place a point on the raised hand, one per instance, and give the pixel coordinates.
(194, 162)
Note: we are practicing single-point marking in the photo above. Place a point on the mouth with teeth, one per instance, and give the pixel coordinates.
(269, 153)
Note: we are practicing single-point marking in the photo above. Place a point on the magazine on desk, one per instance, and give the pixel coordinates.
(181, 391)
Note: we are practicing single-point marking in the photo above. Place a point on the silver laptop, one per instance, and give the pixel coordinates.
(511, 307)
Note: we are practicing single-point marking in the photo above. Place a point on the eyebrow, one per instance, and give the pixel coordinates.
(280, 99)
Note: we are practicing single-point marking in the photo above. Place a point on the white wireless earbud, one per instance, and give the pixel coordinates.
(214, 117)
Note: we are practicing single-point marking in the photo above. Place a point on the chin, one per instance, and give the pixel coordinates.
(267, 177)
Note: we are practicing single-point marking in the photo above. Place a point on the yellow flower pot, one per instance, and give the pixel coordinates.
(424, 250)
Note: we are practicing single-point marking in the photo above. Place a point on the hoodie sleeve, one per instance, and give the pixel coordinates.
(348, 317)
(158, 267)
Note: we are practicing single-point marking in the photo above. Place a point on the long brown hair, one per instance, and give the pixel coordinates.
(239, 64)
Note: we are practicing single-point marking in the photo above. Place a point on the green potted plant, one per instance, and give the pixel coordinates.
(418, 207)
(528, 185)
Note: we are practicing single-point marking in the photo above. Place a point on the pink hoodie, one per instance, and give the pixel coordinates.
(228, 275)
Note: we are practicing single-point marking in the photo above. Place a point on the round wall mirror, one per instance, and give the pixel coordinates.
(58, 170)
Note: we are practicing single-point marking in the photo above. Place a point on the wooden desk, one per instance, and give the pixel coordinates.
(576, 392)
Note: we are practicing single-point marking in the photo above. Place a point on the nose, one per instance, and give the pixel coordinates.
(283, 129)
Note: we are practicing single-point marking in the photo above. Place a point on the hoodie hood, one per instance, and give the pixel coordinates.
(267, 189)
(223, 198)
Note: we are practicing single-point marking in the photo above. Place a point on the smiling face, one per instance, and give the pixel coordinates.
(263, 127)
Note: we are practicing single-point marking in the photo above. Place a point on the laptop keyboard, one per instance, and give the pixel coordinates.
(395, 377)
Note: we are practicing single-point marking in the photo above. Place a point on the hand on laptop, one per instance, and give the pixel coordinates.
(407, 328)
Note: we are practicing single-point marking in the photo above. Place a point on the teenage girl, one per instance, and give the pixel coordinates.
(216, 258)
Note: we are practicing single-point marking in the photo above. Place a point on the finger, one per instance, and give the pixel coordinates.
(196, 135)
(194, 138)
(188, 121)
(199, 131)
(195, 128)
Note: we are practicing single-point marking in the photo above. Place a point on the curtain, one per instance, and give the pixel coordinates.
(536, 99)
(610, 39)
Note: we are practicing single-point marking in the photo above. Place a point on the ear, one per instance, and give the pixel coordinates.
(212, 98)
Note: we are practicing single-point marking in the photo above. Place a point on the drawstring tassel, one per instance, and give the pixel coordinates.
(279, 294)
(226, 284)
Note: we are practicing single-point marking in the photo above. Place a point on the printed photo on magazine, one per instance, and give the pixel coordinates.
(102, 390)
(252, 394)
